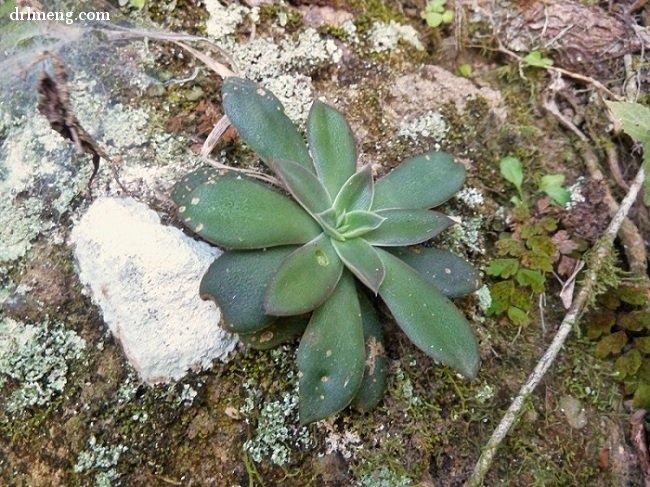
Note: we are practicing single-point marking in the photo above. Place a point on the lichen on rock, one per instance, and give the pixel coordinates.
(36, 358)
(144, 276)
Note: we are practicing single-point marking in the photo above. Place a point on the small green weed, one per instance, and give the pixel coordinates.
(436, 13)
(526, 255)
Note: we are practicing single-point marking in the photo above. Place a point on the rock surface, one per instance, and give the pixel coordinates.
(145, 276)
(433, 87)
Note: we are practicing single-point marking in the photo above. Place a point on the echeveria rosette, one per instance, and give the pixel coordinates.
(290, 264)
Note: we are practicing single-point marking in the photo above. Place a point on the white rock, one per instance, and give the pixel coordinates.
(145, 277)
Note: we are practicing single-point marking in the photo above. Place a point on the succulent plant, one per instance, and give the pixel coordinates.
(299, 266)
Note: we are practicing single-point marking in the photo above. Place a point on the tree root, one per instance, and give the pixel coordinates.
(602, 249)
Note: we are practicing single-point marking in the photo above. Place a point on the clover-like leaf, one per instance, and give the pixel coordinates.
(452, 275)
(237, 282)
(362, 260)
(259, 118)
(305, 279)
(407, 227)
(238, 212)
(357, 223)
(303, 185)
(332, 146)
(282, 330)
(422, 182)
(331, 355)
(503, 267)
(375, 373)
(534, 279)
(428, 318)
(357, 192)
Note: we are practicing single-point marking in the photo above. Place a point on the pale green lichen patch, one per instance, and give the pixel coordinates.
(37, 183)
(101, 459)
(277, 431)
(35, 361)
(385, 36)
(426, 125)
(385, 477)
(282, 66)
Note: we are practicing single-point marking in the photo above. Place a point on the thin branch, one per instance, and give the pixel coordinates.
(630, 236)
(554, 69)
(511, 416)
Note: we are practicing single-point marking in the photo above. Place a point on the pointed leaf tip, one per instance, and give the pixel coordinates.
(429, 319)
(422, 182)
(332, 146)
(260, 120)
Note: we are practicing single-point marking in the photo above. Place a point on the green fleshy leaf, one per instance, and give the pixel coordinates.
(408, 227)
(428, 318)
(375, 376)
(259, 118)
(423, 182)
(237, 282)
(332, 146)
(183, 189)
(237, 212)
(502, 268)
(303, 185)
(357, 192)
(305, 279)
(534, 279)
(282, 330)
(362, 260)
(511, 169)
(357, 223)
(452, 275)
(331, 355)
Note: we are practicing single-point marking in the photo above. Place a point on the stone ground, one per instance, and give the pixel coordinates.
(84, 401)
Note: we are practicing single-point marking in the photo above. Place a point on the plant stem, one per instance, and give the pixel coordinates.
(511, 416)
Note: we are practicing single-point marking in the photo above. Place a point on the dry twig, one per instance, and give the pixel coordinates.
(632, 239)
(640, 443)
(602, 249)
